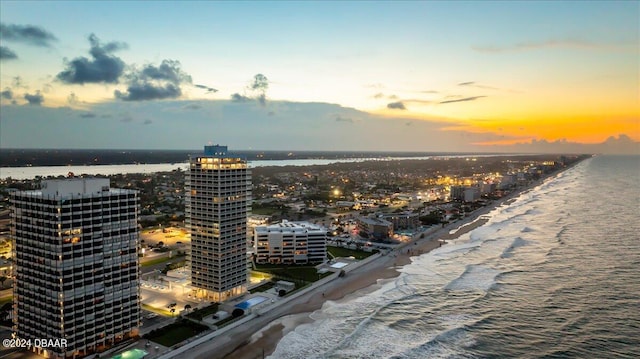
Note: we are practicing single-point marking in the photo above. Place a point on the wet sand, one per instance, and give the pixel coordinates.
(266, 335)
(356, 283)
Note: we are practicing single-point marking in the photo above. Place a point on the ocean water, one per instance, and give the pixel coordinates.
(556, 274)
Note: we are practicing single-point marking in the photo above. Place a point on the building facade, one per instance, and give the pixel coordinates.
(403, 220)
(472, 194)
(76, 265)
(376, 228)
(218, 195)
(456, 193)
(290, 243)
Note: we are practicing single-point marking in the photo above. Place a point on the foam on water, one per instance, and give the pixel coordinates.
(437, 307)
(508, 252)
(475, 277)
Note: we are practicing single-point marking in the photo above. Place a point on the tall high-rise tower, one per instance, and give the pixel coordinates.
(76, 269)
(218, 195)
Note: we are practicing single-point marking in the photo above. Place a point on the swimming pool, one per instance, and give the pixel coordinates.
(131, 354)
(251, 302)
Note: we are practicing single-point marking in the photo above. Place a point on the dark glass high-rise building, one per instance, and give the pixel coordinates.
(76, 265)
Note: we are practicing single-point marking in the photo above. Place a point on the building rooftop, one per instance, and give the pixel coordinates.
(375, 221)
(286, 226)
(74, 188)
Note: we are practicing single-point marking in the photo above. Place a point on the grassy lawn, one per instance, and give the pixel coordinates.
(155, 261)
(174, 333)
(291, 273)
(263, 288)
(198, 314)
(346, 252)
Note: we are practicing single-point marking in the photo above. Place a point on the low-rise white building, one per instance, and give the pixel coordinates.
(290, 243)
(471, 194)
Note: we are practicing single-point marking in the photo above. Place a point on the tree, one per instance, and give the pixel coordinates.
(282, 292)
(187, 307)
(237, 313)
(3, 279)
(5, 310)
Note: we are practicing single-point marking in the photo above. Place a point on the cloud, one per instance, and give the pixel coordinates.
(17, 82)
(378, 95)
(344, 119)
(236, 97)
(257, 90)
(148, 91)
(260, 83)
(36, 99)
(417, 100)
(147, 122)
(474, 84)
(168, 70)
(88, 115)
(396, 105)
(7, 94)
(103, 67)
(622, 144)
(192, 106)
(462, 99)
(7, 54)
(259, 86)
(27, 34)
(73, 99)
(126, 118)
(155, 82)
(207, 88)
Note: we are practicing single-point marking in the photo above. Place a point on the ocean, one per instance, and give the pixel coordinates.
(552, 275)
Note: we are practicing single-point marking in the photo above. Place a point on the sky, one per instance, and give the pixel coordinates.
(386, 76)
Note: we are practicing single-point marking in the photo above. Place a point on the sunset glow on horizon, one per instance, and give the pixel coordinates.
(469, 75)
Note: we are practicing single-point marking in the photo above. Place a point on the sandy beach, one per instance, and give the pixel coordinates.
(259, 336)
(355, 283)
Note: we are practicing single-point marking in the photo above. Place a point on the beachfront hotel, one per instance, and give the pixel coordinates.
(218, 195)
(290, 243)
(76, 266)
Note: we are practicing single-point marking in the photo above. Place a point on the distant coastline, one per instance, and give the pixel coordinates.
(29, 171)
(261, 334)
(89, 157)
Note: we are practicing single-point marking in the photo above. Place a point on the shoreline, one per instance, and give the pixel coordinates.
(363, 280)
(260, 334)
